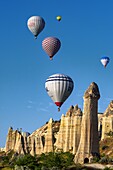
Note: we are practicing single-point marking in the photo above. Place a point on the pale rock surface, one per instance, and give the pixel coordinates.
(107, 121)
(76, 132)
(89, 141)
(49, 138)
(69, 131)
(16, 141)
(63, 135)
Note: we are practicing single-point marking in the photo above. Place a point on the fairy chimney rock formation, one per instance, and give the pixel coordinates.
(49, 138)
(16, 141)
(76, 132)
(107, 121)
(9, 140)
(89, 141)
(109, 110)
(69, 130)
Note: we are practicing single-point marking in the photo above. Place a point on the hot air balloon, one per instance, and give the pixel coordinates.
(51, 45)
(59, 18)
(36, 24)
(105, 60)
(59, 87)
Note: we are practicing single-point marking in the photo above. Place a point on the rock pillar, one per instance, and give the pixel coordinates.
(39, 146)
(49, 138)
(77, 132)
(107, 121)
(89, 141)
(60, 142)
(9, 140)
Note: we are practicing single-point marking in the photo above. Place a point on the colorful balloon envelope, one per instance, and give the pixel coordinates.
(59, 18)
(105, 60)
(59, 87)
(51, 46)
(35, 24)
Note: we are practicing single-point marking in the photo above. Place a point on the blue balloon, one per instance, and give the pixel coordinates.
(105, 60)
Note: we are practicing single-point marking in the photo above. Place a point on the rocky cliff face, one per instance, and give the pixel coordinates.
(109, 110)
(60, 135)
(107, 121)
(69, 131)
(76, 131)
(17, 141)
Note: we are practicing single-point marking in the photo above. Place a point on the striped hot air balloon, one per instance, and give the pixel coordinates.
(105, 60)
(36, 24)
(51, 45)
(59, 87)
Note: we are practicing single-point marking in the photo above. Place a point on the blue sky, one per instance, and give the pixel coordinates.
(86, 34)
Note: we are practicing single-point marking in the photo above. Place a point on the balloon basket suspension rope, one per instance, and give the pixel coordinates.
(35, 37)
(58, 109)
(51, 57)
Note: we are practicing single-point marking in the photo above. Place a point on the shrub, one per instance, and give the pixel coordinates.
(104, 147)
(103, 160)
(27, 160)
(110, 133)
(107, 168)
(59, 160)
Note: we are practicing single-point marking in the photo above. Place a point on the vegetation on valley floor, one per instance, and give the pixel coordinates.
(55, 161)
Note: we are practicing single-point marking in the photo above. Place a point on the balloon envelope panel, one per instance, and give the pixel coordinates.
(36, 24)
(105, 60)
(58, 18)
(51, 45)
(59, 88)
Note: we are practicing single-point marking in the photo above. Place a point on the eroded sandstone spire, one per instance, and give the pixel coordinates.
(92, 91)
(89, 141)
(69, 131)
(107, 121)
(76, 132)
(49, 138)
(109, 110)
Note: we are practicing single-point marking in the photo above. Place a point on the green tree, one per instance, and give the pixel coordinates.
(59, 160)
(27, 160)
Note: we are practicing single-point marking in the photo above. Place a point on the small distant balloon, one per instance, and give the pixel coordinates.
(105, 60)
(59, 18)
(51, 46)
(35, 24)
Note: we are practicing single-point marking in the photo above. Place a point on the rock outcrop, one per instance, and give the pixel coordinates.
(109, 110)
(89, 141)
(17, 141)
(63, 135)
(76, 131)
(107, 121)
(69, 131)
